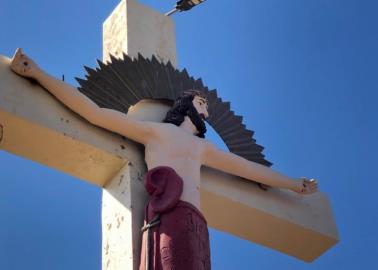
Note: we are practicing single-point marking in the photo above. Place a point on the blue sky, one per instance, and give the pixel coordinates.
(302, 73)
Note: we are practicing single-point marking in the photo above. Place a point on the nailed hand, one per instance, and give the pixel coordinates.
(23, 65)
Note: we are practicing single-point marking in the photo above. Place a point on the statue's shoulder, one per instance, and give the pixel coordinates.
(205, 144)
(163, 129)
(161, 126)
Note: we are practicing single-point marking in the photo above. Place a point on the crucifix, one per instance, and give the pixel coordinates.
(299, 225)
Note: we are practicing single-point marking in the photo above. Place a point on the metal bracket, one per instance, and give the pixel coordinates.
(184, 5)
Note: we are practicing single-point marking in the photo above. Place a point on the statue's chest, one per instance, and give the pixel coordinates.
(176, 148)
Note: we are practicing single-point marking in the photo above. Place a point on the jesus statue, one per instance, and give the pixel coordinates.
(175, 233)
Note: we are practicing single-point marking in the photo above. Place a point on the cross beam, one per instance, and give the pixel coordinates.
(38, 127)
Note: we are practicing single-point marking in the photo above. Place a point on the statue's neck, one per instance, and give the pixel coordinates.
(188, 126)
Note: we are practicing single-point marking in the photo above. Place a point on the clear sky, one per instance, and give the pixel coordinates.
(302, 73)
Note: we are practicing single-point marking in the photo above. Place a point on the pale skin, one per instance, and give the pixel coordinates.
(165, 144)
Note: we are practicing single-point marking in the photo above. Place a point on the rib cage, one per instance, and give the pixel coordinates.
(124, 82)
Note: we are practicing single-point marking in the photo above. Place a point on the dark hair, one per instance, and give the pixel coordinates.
(183, 106)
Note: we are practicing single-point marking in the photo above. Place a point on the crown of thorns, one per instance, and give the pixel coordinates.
(123, 82)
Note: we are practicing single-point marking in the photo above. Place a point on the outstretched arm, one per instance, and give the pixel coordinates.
(236, 165)
(107, 118)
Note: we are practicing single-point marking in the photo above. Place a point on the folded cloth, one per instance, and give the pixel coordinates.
(175, 235)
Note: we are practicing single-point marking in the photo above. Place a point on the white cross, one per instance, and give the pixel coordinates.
(278, 219)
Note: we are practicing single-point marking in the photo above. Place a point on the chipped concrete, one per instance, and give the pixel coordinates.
(122, 217)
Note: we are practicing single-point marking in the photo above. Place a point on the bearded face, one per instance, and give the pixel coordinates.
(193, 104)
(197, 120)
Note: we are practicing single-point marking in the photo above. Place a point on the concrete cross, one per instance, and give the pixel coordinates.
(35, 125)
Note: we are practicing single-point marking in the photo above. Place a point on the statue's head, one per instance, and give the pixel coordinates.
(191, 103)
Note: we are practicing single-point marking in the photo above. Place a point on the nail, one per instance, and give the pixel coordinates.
(1, 132)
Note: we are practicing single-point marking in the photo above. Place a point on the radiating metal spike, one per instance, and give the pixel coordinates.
(123, 82)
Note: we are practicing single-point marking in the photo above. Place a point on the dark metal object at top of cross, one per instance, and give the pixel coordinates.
(184, 5)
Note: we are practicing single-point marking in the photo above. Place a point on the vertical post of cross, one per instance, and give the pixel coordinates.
(131, 29)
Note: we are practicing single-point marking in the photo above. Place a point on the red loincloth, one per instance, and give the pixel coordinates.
(179, 238)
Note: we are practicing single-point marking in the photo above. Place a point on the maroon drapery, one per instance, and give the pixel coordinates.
(175, 233)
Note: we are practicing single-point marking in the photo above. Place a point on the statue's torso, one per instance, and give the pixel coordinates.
(181, 151)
